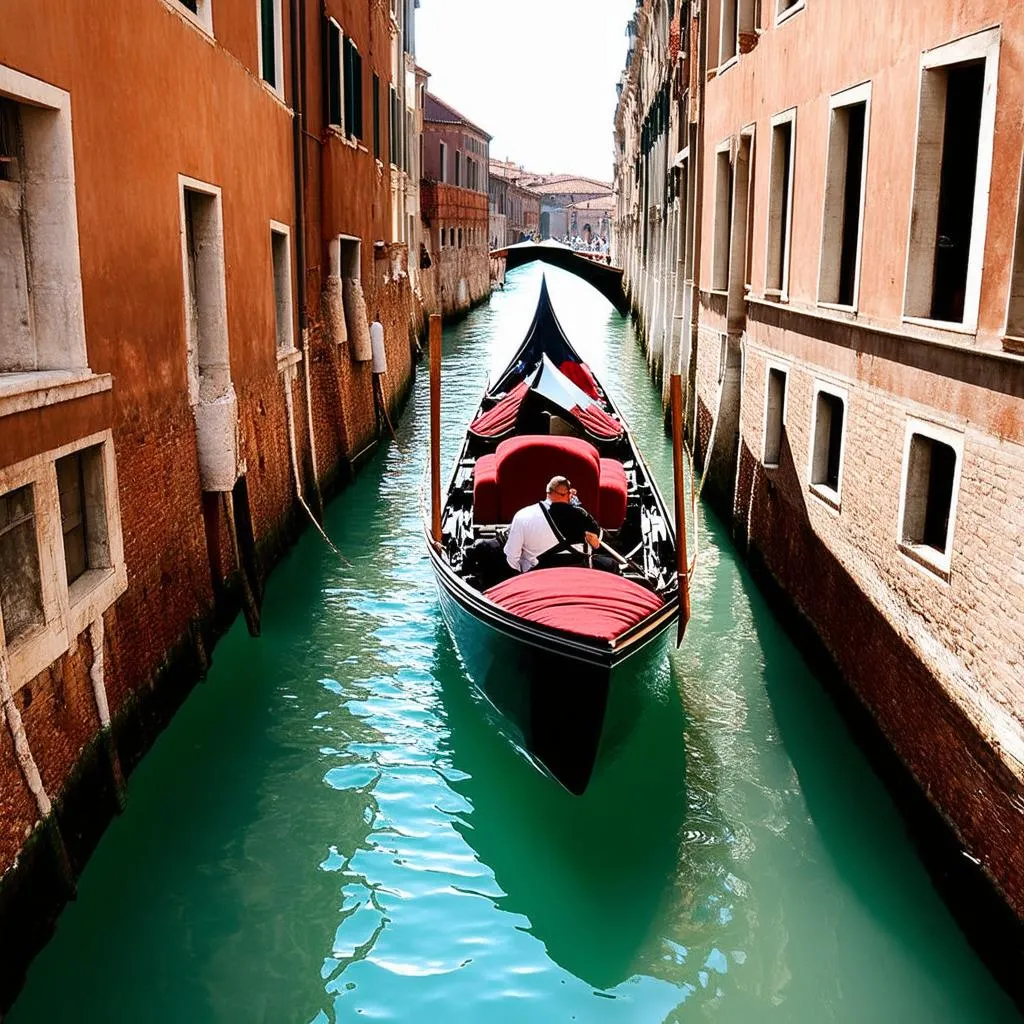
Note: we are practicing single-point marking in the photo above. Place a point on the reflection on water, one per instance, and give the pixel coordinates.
(335, 828)
(569, 865)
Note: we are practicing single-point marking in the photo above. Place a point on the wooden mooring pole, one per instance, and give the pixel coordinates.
(435, 427)
(682, 557)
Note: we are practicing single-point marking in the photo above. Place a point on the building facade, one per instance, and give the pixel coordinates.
(847, 309)
(182, 382)
(455, 209)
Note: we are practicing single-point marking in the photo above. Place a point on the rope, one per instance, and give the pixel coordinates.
(319, 529)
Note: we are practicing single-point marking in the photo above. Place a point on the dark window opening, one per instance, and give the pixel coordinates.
(929, 498)
(782, 147)
(964, 88)
(353, 91)
(851, 202)
(9, 140)
(21, 595)
(268, 41)
(828, 441)
(332, 74)
(376, 119)
(71, 486)
(774, 419)
(192, 5)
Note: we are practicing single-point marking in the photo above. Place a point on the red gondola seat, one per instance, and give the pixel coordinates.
(517, 473)
(586, 602)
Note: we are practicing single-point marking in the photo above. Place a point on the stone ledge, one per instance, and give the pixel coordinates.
(20, 392)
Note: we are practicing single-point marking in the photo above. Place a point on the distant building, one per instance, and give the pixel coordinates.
(522, 204)
(454, 208)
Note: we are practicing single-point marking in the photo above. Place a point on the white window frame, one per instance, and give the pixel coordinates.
(723, 148)
(785, 369)
(283, 230)
(51, 210)
(784, 15)
(202, 19)
(923, 555)
(985, 46)
(847, 98)
(341, 79)
(67, 611)
(193, 364)
(278, 88)
(444, 162)
(832, 498)
(786, 258)
(1016, 267)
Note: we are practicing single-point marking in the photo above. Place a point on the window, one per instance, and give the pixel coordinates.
(723, 218)
(271, 44)
(397, 147)
(441, 238)
(956, 124)
(1015, 313)
(451, 237)
(281, 258)
(444, 162)
(61, 550)
(827, 437)
(780, 203)
(21, 599)
(774, 415)
(787, 7)
(199, 12)
(932, 457)
(83, 516)
(353, 89)
(333, 78)
(376, 121)
(727, 33)
(843, 218)
(458, 167)
(206, 331)
(460, 238)
(42, 326)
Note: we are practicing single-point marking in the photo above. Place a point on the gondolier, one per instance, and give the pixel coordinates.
(551, 532)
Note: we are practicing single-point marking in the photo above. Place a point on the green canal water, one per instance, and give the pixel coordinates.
(334, 829)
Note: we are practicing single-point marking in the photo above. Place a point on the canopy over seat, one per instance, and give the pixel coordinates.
(518, 472)
(586, 602)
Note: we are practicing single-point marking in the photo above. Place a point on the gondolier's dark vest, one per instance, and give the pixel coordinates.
(563, 552)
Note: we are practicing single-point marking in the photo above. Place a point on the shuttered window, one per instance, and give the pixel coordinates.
(353, 67)
(332, 73)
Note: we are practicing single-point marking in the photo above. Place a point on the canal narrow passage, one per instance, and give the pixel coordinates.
(333, 829)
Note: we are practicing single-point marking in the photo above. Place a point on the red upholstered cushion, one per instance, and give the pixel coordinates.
(580, 375)
(614, 490)
(485, 489)
(501, 416)
(597, 421)
(526, 463)
(583, 601)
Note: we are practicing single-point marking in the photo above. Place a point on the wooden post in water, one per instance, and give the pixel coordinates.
(435, 427)
(682, 558)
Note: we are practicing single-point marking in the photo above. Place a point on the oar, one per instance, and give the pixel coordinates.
(622, 560)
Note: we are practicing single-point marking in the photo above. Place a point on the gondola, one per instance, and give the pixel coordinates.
(560, 652)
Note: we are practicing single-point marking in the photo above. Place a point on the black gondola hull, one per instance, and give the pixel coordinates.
(564, 706)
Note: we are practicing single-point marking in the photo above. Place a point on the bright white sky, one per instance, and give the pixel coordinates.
(538, 75)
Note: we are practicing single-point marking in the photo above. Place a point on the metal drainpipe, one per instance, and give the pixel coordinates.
(298, 59)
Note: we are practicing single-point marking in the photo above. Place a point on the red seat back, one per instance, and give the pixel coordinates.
(528, 462)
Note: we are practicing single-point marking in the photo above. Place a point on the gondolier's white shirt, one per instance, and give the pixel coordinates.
(529, 537)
